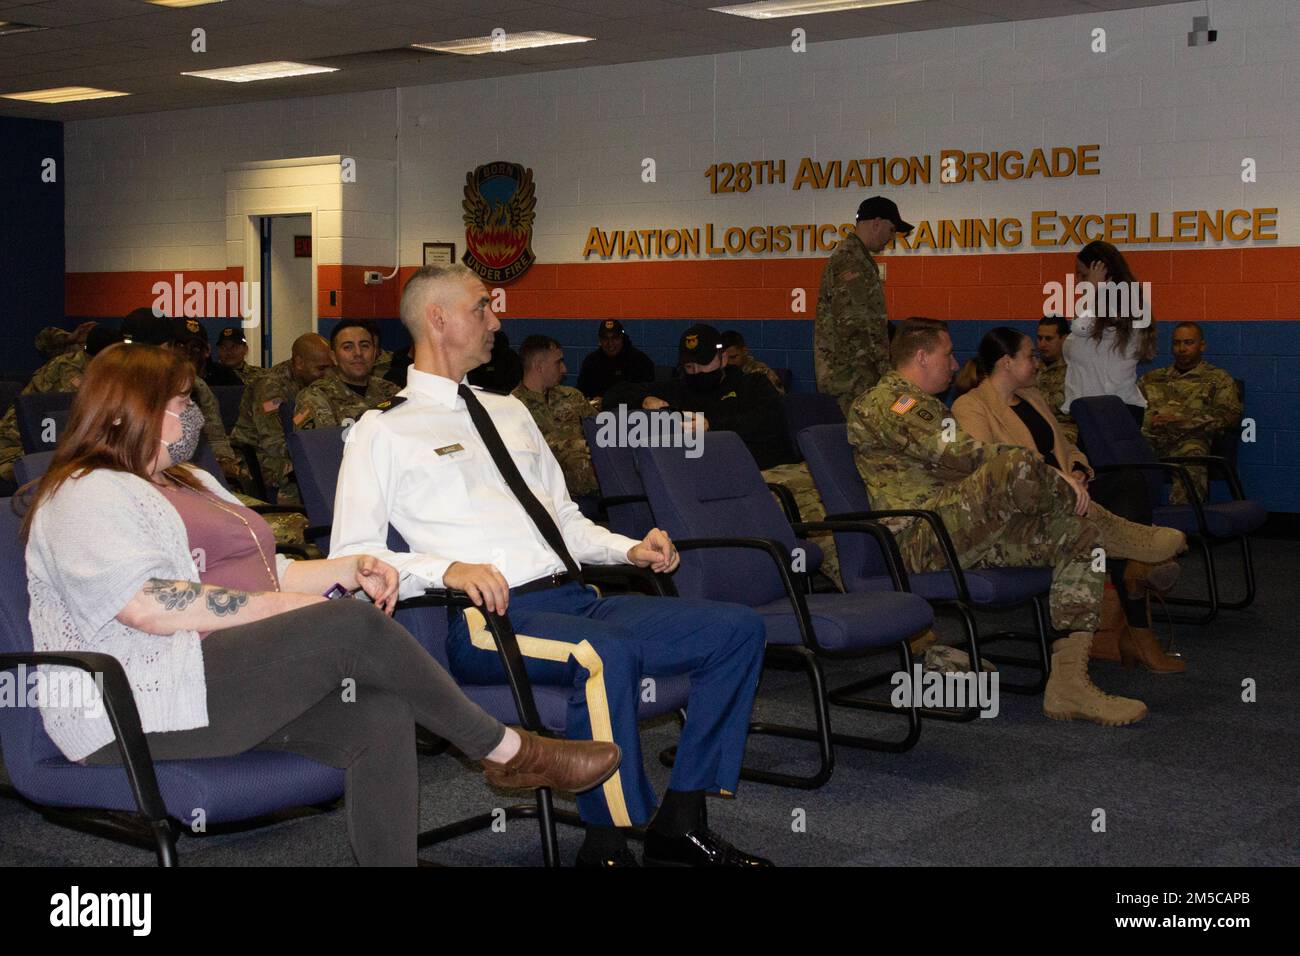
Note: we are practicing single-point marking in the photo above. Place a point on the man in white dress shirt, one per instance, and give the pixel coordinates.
(425, 466)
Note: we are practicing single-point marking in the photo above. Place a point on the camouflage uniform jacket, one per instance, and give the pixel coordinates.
(1051, 382)
(753, 366)
(898, 436)
(851, 334)
(52, 341)
(559, 414)
(1202, 399)
(60, 374)
(248, 374)
(382, 364)
(259, 421)
(330, 403)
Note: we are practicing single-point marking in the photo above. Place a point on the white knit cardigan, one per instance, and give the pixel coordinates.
(93, 545)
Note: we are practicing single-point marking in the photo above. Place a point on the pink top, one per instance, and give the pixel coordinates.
(226, 555)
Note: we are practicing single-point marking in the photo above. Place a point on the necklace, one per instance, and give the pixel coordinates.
(275, 582)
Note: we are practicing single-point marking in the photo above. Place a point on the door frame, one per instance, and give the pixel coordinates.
(253, 260)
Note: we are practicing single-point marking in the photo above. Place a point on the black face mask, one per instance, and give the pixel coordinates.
(703, 381)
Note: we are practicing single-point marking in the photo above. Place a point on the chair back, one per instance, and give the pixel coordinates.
(720, 494)
(22, 733)
(805, 409)
(785, 376)
(228, 400)
(33, 466)
(35, 413)
(1109, 435)
(317, 456)
(830, 459)
(617, 475)
(1226, 443)
(285, 411)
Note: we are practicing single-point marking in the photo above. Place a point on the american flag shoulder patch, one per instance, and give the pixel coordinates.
(904, 405)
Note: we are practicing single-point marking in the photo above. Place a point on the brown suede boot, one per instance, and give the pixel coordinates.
(1106, 641)
(1141, 577)
(1071, 694)
(1139, 645)
(569, 765)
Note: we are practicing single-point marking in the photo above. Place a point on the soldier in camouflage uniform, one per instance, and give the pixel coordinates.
(259, 417)
(1051, 373)
(558, 411)
(351, 388)
(1188, 403)
(232, 352)
(53, 341)
(738, 355)
(60, 374)
(1003, 507)
(851, 334)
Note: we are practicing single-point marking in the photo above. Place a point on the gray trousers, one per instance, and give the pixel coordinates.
(342, 684)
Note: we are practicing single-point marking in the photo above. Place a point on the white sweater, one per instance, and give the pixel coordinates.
(1098, 367)
(93, 545)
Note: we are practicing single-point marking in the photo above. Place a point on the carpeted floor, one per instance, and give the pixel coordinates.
(1206, 779)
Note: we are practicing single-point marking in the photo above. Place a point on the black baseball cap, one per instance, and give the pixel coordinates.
(188, 330)
(700, 344)
(100, 338)
(609, 328)
(232, 333)
(878, 207)
(145, 328)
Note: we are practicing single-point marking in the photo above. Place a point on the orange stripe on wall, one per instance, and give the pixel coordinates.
(1211, 284)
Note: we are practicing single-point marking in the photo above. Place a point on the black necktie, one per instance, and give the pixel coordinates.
(510, 472)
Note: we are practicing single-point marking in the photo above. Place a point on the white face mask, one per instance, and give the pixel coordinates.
(183, 448)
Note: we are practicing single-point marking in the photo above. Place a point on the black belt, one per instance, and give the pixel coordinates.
(559, 579)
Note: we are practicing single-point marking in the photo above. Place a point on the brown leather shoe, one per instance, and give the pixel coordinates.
(1141, 578)
(1106, 640)
(569, 765)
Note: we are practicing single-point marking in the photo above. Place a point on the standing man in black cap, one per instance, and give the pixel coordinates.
(851, 338)
(616, 361)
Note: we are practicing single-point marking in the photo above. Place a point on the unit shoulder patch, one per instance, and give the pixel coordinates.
(924, 415)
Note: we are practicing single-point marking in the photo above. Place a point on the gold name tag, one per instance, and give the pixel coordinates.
(450, 449)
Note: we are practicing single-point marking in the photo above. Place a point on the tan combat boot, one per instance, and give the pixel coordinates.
(1106, 642)
(1126, 539)
(1071, 694)
(920, 642)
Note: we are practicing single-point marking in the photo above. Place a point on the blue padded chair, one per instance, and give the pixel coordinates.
(317, 455)
(150, 795)
(30, 467)
(35, 412)
(736, 545)
(228, 398)
(623, 501)
(1115, 442)
(805, 409)
(954, 589)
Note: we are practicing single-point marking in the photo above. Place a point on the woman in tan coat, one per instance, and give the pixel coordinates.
(1005, 407)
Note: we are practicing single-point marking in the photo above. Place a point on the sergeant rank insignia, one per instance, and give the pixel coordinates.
(499, 211)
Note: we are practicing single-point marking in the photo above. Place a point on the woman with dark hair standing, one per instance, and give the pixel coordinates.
(1004, 406)
(227, 645)
(1107, 342)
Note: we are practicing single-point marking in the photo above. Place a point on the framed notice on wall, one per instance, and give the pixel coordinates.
(302, 247)
(439, 253)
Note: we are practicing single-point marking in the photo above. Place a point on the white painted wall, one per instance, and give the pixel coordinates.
(148, 192)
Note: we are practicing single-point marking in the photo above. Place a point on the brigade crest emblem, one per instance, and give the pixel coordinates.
(499, 212)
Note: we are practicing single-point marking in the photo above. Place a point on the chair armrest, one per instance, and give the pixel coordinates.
(119, 704)
(776, 551)
(936, 524)
(1178, 471)
(627, 575)
(257, 484)
(503, 634)
(786, 497)
(884, 538)
(312, 532)
(1214, 462)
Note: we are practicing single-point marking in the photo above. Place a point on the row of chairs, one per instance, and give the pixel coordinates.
(736, 544)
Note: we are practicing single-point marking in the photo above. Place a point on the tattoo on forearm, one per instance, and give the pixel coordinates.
(173, 595)
(224, 602)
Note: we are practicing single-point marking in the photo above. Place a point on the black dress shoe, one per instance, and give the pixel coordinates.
(700, 847)
(623, 857)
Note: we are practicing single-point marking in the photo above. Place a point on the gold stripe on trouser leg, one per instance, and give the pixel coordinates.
(602, 728)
